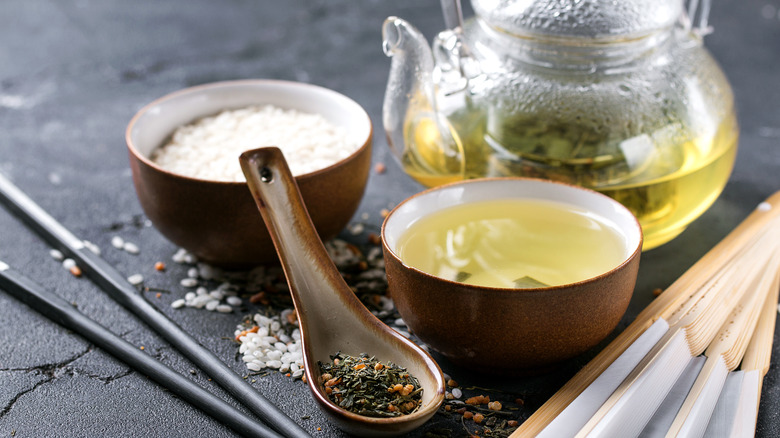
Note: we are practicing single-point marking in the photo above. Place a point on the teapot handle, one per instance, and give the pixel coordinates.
(697, 25)
(453, 14)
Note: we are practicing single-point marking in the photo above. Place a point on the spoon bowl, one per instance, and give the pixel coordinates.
(330, 316)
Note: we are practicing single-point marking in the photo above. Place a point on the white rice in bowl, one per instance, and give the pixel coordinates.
(209, 148)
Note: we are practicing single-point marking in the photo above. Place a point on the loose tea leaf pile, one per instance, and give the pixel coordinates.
(365, 386)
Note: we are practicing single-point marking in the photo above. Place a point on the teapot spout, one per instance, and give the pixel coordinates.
(419, 136)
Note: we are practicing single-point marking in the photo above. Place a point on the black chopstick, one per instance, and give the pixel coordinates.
(121, 291)
(59, 311)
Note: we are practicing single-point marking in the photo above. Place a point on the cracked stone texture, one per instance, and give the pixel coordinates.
(72, 74)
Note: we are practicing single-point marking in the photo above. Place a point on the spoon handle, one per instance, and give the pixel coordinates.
(309, 270)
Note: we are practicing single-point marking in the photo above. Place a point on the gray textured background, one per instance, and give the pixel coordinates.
(72, 74)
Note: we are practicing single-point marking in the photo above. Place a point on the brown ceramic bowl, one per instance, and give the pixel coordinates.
(218, 221)
(510, 331)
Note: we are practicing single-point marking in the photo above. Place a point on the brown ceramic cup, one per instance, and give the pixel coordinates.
(510, 331)
(218, 221)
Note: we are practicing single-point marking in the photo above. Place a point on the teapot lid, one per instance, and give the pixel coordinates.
(591, 19)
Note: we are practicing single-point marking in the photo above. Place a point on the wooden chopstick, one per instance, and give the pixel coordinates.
(59, 311)
(118, 288)
(693, 278)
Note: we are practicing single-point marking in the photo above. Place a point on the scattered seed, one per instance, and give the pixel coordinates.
(188, 282)
(117, 242)
(224, 308)
(380, 168)
(56, 255)
(657, 291)
(75, 271)
(135, 279)
(178, 304)
(234, 301)
(131, 248)
(356, 228)
(68, 263)
(92, 247)
(159, 266)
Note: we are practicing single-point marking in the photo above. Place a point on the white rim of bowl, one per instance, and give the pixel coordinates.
(440, 197)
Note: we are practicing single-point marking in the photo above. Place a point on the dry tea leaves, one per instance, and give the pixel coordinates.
(367, 387)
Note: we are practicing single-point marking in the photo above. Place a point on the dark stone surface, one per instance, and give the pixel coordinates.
(72, 74)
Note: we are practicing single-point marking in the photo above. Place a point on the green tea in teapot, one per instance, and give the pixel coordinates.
(664, 178)
(513, 243)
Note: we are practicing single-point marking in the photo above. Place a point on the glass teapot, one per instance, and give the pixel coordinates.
(620, 97)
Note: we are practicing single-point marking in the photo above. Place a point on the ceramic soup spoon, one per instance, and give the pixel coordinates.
(331, 317)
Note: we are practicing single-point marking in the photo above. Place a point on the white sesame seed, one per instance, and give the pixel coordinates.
(457, 393)
(131, 248)
(178, 257)
(68, 263)
(92, 247)
(201, 300)
(217, 294)
(234, 301)
(224, 308)
(273, 364)
(117, 242)
(189, 282)
(192, 273)
(212, 305)
(56, 255)
(207, 271)
(253, 366)
(297, 373)
(135, 279)
(177, 304)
